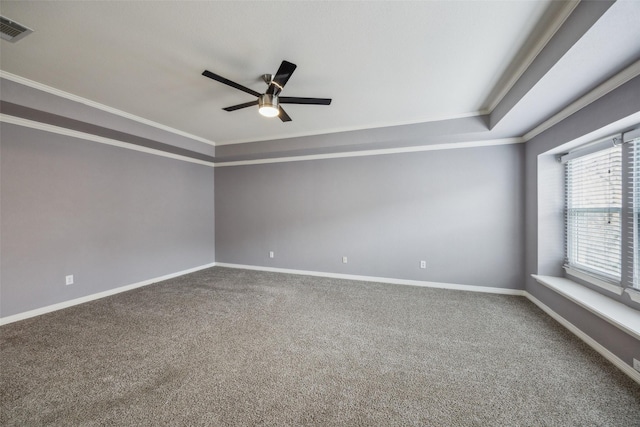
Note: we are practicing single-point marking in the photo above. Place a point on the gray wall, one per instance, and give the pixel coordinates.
(113, 217)
(108, 215)
(618, 104)
(460, 210)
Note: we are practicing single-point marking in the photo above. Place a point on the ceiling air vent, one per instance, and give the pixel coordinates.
(12, 31)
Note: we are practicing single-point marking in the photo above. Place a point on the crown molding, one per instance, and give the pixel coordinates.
(598, 92)
(355, 128)
(616, 81)
(507, 83)
(377, 152)
(4, 118)
(57, 92)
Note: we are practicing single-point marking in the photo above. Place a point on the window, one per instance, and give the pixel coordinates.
(593, 213)
(602, 212)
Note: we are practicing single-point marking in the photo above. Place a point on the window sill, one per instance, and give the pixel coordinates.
(634, 294)
(618, 290)
(614, 312)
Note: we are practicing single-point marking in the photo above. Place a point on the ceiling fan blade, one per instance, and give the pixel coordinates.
(283, 115)
(297, 100)
(281, 77)
(239, 106)
(228, 82)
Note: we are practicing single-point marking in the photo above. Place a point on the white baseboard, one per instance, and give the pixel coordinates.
(92, 297)
(635, 375)
(438, 285)
(619, 363)
(71, 303)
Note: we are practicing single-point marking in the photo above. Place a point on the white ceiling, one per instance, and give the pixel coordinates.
(383, 63)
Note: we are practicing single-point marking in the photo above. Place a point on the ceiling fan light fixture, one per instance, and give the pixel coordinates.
(268, 105)
(268, 102)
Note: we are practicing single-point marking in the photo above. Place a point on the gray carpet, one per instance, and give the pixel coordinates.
(225, 347)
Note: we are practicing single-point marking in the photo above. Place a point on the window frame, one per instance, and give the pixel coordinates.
(588, 197)
(629, 280)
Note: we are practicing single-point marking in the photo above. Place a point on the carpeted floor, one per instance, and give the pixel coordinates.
(225, 347)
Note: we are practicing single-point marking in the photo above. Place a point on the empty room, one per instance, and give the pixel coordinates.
(320, 213)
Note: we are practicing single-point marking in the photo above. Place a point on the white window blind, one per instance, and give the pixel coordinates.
(593, 213)
(634, 198)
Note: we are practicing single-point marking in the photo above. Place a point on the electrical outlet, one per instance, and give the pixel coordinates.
(636, 364)
(344, 259)
(69, 279)
(271, 254)
(423, 264)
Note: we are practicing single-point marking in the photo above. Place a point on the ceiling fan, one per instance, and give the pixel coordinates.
(269, 102)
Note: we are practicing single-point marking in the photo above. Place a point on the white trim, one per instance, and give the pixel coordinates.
(356, 128)
(634, 294)
(451, 286)
(598, 134)
(382, 151)
(594, 281)
(542, 42)
(93, 104)
(619, 363)
(632, 135)
(621, 78)
(81, 300)
(613, 83)
(616, 313)
(592, 147)
(95, 138)
(40, 86)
